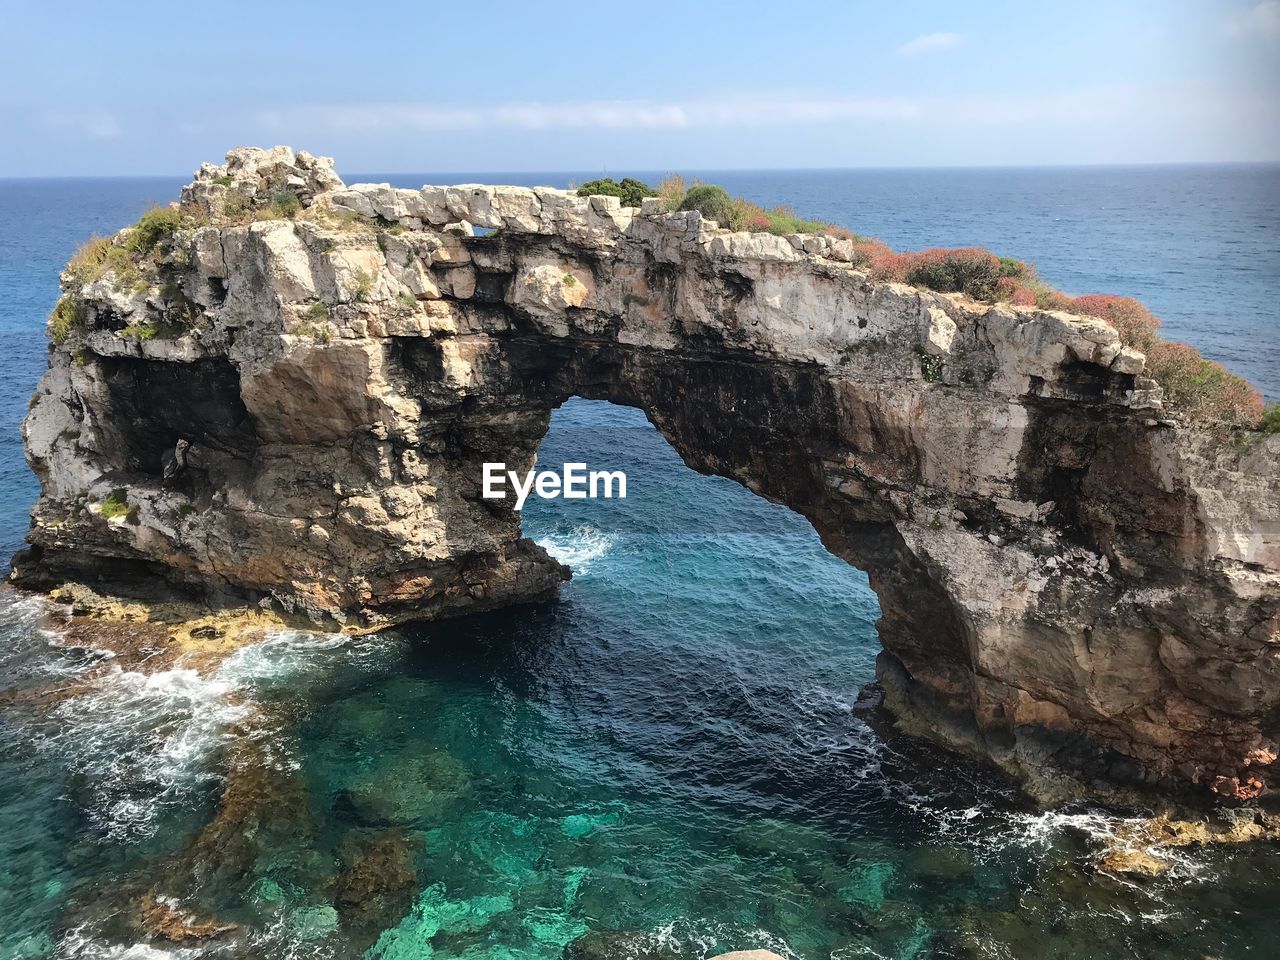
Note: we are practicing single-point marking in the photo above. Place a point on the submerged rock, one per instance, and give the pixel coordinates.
(1072, 584)
(433, 913)
(868, 885)
(1133, 862)
(313, 923)
(610, 944)
(165, 918)
(378, 878)
(412, 790)
(1143, 846)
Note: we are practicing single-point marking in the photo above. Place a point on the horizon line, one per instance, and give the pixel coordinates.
(605, 171)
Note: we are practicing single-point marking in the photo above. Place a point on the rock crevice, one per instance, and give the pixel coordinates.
(1071, 583)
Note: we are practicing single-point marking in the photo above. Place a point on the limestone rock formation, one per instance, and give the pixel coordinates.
(287, 397)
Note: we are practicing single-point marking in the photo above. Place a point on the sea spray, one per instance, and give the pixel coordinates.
(579, 549)
(141, 741)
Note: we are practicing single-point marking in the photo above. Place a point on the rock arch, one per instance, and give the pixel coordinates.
(1071, 584)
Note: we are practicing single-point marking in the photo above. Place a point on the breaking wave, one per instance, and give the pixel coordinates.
(142, 742)
(578, 549)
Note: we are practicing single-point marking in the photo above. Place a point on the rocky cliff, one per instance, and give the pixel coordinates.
(282, 393)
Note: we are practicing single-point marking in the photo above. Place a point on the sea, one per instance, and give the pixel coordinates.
(662, 763)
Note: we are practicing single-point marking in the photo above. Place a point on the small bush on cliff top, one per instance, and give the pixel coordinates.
(603, 187)
(1009, 267)
(284, 205)
(736, 213)
(672, 190)
(631, 191)
(1270, 422)
(67, 314)
(1136, 324)
(234, 205)
(1198, 387)
(281, 204)
(780, 220)
(86, 264)
(156, 226)
(711, 201)
(1202, 388)
(969, 270)
(101, 255)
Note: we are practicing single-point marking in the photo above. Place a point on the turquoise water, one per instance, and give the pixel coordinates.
(662, 763)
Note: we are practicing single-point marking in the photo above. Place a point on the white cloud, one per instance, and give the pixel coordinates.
(1095, 123)
(601, 114)
(1261, 20)
(95, 125)
(931, 42)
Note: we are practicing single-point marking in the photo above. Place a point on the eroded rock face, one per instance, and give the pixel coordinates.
(1071, 584)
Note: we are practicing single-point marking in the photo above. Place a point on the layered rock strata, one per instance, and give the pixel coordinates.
(289, 400)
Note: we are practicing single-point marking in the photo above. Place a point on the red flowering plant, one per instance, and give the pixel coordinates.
(1013, 291)
(879, 261)
(1200, 388)
(1136, 324)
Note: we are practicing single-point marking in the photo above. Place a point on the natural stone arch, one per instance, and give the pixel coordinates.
(1070, 584)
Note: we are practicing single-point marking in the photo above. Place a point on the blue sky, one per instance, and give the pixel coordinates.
(155, 88)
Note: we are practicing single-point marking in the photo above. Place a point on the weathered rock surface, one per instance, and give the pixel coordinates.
(1071, 584)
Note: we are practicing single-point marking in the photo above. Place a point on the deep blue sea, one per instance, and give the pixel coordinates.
(663, 762)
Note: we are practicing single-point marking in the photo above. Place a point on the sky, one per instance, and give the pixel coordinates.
(137, 88)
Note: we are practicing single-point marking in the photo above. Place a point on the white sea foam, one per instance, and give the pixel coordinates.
(704, 936)
(32, 648)
(23, 613)
(139, 741)
(80, 943)
(1108, 831)
(142, 742)
(579, 549)
(990, 833)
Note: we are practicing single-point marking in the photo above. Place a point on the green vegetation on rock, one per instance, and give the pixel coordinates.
(235, 205)
(68, 314)
(140, 331)
(630, 190)
(116, 503)
(711, 201)
(971, 271)
(284, 204)
(155, 227)
(99, 256)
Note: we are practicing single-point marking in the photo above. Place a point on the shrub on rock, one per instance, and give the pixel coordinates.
(67, 315)
(630, 191)
(1201, 388)
(1135, 323)
(969, 270)
(711, 201)
(1270, 422)
(154, 227)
